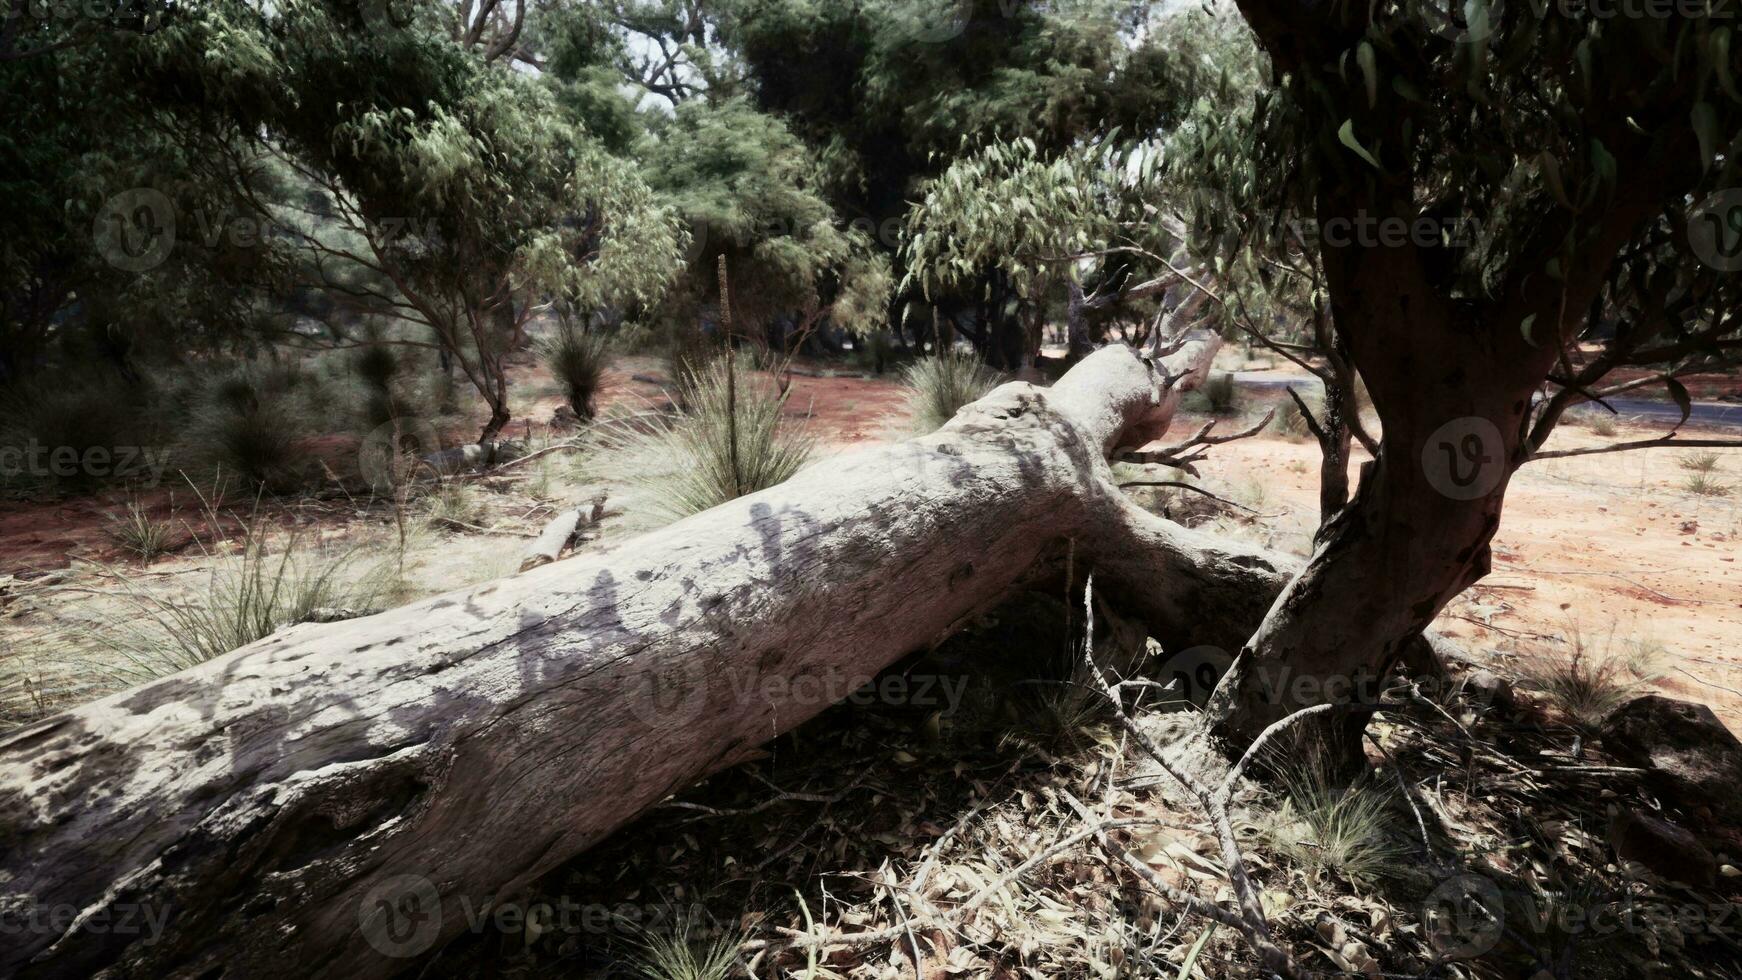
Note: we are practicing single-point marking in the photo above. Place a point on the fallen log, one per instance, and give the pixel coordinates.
(338, 799)
(562, 529)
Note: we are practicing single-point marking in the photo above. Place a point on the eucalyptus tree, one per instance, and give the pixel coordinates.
(1484, 193)
(444, 190)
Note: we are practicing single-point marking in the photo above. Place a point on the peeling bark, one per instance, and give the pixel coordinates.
(334, 800)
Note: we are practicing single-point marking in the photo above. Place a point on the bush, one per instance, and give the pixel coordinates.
(250, 426)
(1218, 396)
(941, 386)
(687, 464)
(577, 360)
(102, 412)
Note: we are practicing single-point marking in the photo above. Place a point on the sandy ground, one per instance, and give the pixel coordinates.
(1610, 546)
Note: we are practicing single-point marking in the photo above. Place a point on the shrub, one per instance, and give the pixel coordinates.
(577, 360)
(101, 412)
(1586, 678)
(136, 532)
(941, 386)
(1218, 396)
(687, 463)
(1605, 425)
(454, 503)
(689, 352)
(250, 424)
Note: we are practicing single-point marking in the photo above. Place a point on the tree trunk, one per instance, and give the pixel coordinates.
(335, 799)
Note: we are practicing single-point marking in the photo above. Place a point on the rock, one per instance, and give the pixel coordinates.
(1672, 852)
(564, 418)
(1690, 754)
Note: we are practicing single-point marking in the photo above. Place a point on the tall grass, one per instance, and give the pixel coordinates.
(1588, 676)
(687, 952)
(729, 442)
(577, 360)
(1324, 825)
(250, 593)
(1705, 484)
(939, 387)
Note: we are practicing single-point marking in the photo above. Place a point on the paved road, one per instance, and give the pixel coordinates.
(1727, 415)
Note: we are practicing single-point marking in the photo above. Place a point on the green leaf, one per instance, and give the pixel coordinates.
(1346, 135)
(1551, 172)
(1721, 59)
(1705, 122)
(1369, 72)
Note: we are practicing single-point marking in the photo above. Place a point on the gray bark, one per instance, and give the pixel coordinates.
(334, 800)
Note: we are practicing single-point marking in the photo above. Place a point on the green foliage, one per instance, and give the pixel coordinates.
(730, 441)
(251, 593)
(577, 360)
(1325, 825)
(1219, 396)
(134, 530)
(939, 387)
(1705, 485)
(749, 191)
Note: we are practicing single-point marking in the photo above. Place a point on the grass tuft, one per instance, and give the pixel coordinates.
(1325, 827)
(940, 386)
(577, 360)
(136, 532)
(1585, 677)
(687, 952)
(1704, 484)
(251, 593)
(709, 454)
(1699, 462)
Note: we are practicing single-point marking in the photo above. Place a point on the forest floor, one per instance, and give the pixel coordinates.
(878, 816)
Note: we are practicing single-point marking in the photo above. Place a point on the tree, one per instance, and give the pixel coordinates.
(403, 175)
(1588, 160)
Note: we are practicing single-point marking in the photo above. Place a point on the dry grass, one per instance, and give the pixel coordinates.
(1326, 828)
(1705, 484)
(1704, 462)
(137, 533)
(939, 387)
(1587, 675)
(730, 441)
